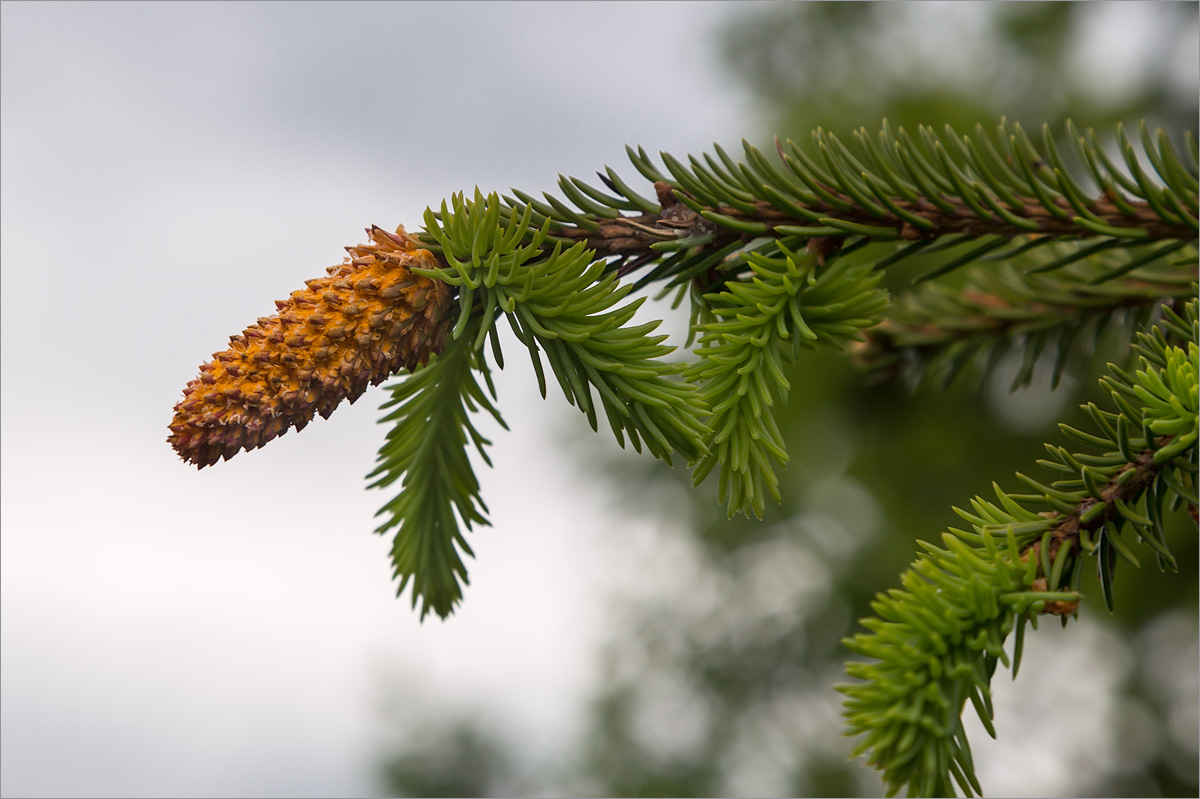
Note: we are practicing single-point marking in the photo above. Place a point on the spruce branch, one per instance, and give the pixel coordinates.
(1036, 300)
(426, 451)
(563, 305)
(935, 642)
(758, 327)
(558, 303)
(761, 248)
(895, 189)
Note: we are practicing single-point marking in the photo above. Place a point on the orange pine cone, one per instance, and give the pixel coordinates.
(370, 318)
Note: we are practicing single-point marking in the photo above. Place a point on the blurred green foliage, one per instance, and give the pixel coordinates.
(720, 682)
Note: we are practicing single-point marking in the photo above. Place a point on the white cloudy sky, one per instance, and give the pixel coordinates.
(168, 171)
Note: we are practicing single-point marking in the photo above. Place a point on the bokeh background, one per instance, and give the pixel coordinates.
(168, 170)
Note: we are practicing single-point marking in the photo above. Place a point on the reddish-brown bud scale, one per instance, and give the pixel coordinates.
(370, 318)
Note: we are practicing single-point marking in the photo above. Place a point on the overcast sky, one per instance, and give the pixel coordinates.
(169, 170)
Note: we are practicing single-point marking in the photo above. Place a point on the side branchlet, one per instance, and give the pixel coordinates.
(934, 643)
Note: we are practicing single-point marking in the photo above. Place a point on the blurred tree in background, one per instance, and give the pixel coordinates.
(720, 670)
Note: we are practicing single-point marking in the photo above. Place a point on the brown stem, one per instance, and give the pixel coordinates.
(1071, 528)
(983, 316)
(634, 235)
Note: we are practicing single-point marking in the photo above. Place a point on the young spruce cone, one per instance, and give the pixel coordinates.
(367, 320)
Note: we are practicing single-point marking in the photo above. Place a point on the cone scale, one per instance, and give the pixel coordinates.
(370, 318)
